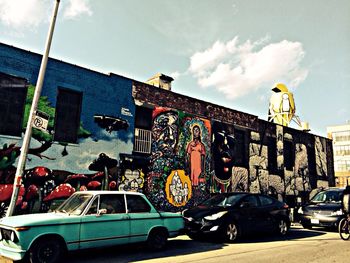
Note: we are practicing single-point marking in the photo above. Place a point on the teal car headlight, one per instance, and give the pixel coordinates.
(13, 236)
(215, 216)
(337, 213)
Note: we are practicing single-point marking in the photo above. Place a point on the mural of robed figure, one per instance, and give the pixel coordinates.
(196, 156)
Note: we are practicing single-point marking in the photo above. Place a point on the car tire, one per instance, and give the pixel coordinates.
(306, 226)
(194, 236)
(282, 227)
(157, 239)
(47, 250)
(231, 232)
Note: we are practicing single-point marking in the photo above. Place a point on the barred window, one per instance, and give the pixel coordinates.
(143, 141)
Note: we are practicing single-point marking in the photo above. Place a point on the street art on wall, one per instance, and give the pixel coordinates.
(178, 188)
(56, 170)
(180, 160)
(132, 180)
(321, 156)
(223, 144)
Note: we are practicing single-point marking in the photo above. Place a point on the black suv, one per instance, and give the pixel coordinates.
(323, 210)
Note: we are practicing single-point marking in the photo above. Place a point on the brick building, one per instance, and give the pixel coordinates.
(112, 132)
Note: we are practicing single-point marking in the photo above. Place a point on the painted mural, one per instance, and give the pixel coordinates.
(225, 175)
(56, 170)
(180, 161)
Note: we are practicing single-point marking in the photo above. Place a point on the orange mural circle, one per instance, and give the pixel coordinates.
(178, 188)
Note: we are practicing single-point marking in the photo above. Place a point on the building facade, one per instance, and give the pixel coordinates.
(114, 133)
(340, 134)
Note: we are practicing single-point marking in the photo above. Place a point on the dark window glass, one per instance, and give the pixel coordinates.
(12, 101)
(250, 201)
(136, 204)
(143, 118)
(113, 203)
(67, 119)
(93, 207)
(272, 155)
(239, 148)
(264, 200)
(289, 155)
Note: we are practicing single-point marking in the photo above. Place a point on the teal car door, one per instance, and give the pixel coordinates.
(142, 217)
(106, 223)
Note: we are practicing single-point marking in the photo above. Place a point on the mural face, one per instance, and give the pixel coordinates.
(164, 135)
(223, 155)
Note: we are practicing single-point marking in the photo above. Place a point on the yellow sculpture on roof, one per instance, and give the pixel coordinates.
(282, 106)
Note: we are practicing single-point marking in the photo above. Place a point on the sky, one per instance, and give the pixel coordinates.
(227, 52)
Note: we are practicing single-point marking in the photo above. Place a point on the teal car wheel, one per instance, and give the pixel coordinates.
(46, 250)
(157, 239)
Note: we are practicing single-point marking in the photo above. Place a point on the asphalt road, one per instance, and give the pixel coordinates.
(301, 245)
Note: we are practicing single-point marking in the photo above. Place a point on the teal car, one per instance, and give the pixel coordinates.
(87, 219)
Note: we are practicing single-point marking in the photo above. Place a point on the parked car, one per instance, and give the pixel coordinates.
(323, 210)
(87, 219)
(232, 215)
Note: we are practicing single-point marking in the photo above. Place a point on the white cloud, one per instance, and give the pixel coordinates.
(77, 8)
(29, 14)
(238, 69)
(20, 13)
(175, 75)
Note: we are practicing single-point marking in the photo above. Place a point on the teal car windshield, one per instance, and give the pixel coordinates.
(74, 205)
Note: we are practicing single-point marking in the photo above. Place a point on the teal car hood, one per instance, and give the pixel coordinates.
(38, 219)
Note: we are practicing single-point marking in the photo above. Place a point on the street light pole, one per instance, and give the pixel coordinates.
(28, 133)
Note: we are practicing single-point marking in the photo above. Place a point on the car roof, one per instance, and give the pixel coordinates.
(334, 189)
(103, 192)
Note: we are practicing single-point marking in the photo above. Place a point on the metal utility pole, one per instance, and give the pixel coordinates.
(28, 134)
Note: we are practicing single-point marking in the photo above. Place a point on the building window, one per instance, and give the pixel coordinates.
(143, 127)
(272, 155)
(143, 118)
(239, 149)
(289, 155)
(67, 119)
(143, 141)
(342, 136)
(13, 95)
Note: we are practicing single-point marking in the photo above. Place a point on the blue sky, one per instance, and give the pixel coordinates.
(228, 52)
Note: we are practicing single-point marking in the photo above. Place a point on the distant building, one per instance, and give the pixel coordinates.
(341, 149)
(106, 131)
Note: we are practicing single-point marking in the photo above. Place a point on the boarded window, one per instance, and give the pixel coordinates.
(67, 119)
(272, 155)
(289, 155)
(143, 118)
(240, 149)
(13, 94)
